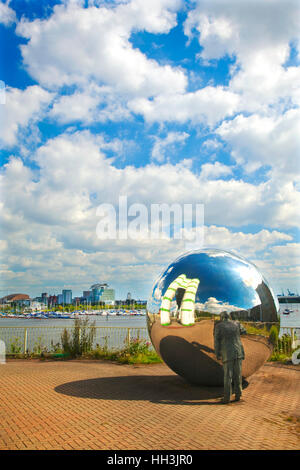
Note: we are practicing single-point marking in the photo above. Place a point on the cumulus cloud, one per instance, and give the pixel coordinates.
(248, 243)
(280, 265)
(52, 214)
(7, 14)
(214, 170)
(212, 144)
(265, 140)
(208, 105)
(78, 44)
(290, 252)
(215, 306)
(22, 107)
(75, 175)
(163, 145)
(88, 105)
(260, 48)
(233, 27)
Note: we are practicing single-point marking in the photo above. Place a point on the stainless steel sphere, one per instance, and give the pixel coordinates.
(185, 303)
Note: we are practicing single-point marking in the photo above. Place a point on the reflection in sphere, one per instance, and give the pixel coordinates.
(186, 301)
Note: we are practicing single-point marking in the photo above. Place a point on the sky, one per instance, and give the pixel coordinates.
(161, 101)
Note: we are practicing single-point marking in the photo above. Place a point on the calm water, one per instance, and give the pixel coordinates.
(43, 335)
(292, 320)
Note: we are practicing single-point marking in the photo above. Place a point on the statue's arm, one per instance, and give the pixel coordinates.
(217, 343)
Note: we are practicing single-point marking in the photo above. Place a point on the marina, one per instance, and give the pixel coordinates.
(113, 329)
(100, 315)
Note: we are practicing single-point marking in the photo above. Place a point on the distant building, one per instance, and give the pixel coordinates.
(86, 295)
(131, 302)
(108, 296)
(60, 299)
(76, 300)
(289, 299)
(67, 296)
(101, 293)
(128, 296)
(52, 300)
(16, 300)
(36, 306)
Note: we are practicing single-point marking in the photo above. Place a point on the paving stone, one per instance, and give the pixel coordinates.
(101, 405)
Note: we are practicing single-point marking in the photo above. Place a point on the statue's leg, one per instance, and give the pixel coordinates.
(228, 370)
(237, 378)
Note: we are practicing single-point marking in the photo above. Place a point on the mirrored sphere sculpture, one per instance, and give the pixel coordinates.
(186, 301)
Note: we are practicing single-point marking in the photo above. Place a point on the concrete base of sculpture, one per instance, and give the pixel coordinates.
(191, 353)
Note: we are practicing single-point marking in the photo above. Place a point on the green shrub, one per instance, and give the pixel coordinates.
(80, 341)
(278, 357)
(284, 345)
(66, 342)
(38, 346)
(273, 335)
(255, 329)
(136, 352)
(56, 347)
(16, 345)
(200, 314)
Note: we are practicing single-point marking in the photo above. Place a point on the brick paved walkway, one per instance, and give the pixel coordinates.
(100, 405)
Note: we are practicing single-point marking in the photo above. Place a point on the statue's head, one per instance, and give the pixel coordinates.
(224, 316)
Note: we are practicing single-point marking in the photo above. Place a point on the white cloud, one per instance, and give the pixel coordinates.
(261, 48)
(52, 216)
(207, 105)
(215, 306)
(167, 144)
(232, 27)
(22, 107)
(78, 44)
(214, 170)
(265, 140)
(160, 18)
(280, 264)
(289, 252)
(75, 176)
(278, 86)
(246, 243)
(7, 14)
(49, 217)
(212, 144)
(89, 105)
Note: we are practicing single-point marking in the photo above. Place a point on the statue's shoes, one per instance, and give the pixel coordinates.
(224, 402)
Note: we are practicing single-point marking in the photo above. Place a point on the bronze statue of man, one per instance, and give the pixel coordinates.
(229, 349)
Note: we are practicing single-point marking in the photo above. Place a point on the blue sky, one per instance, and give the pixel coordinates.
(183, 102)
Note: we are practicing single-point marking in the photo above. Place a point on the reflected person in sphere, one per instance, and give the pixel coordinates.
(229, 349)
